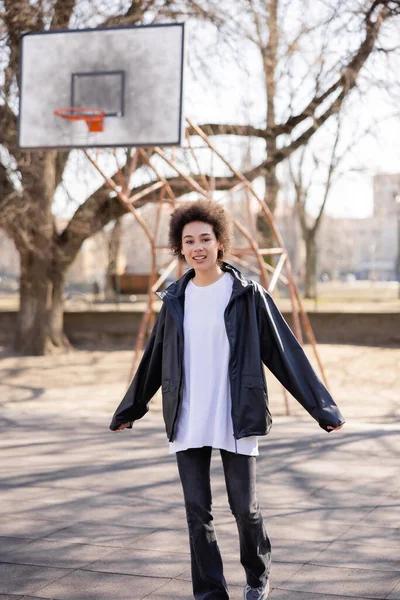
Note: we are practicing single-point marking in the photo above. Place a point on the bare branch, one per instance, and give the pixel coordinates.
(61, 163)
(8, 129)
(348, 77)
(231, 129)
(102, 207)
(328, 185)
(19, 18)
(132, 16)
(63, 10)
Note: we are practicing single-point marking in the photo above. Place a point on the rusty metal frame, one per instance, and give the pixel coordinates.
(205, 189)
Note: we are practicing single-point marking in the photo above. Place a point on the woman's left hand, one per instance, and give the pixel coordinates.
(335, 428)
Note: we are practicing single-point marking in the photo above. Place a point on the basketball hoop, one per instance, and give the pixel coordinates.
(94, 117)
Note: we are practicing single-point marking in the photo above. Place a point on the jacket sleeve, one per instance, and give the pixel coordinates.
(147, 379)
(285, 358)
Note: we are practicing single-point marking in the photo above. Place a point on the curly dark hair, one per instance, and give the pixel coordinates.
(207, 212)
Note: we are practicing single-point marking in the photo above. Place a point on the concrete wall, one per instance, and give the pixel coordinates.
(120, 328)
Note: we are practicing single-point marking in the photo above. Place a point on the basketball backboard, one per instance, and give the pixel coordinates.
(133, 74)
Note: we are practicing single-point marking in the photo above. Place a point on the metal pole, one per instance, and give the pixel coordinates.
(397, 201)
(398, 245)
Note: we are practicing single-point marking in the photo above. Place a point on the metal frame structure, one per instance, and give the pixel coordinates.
(203, 186)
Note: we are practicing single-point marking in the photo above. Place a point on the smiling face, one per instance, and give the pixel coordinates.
(200, 246)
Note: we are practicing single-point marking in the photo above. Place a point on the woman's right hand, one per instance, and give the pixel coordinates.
(123, 426)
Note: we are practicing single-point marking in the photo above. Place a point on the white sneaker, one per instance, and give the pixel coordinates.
(260, 593)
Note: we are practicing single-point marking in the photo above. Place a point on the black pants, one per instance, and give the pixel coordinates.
(255, 548)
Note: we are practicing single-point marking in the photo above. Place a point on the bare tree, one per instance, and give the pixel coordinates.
(303, 88)
(302, 189)
(315, 169)
(28, 180)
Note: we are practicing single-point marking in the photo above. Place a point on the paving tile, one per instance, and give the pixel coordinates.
(86, 585)
(385, 516)
(235, 575)
(305, 529)
(61, 553)
(100, 534)
(286, 550)
(9, 543)
(73, 489)
(73, 512)
(182, 590)
(164, 515)
(280, 572)
(4, 597)
(26, 500)
(278, 494)
(170, 540)
(24, 579)
(177, 540)
(346, 499)
(294, 551)
(17, 526)
(287, 595)
(374, 535)
(360, 556)
(67, 505)
(148, 563)
(326, 512)
(176, 590)
(395, 593)
(347, 582)
(21, 493)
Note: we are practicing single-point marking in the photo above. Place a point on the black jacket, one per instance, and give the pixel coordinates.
(257, 334)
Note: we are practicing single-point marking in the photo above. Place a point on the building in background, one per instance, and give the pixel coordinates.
(386, 188)
(9, 264)
(363, 248)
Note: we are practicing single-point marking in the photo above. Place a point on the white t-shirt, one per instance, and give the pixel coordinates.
(205, 418)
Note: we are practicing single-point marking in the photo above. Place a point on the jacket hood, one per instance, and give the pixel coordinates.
(177, 289)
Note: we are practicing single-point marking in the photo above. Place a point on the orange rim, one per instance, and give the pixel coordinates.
(94, 117)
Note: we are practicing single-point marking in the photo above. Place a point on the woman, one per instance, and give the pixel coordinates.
(214, 331)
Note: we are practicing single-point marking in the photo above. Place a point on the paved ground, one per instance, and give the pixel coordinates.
(88, 514)
(366, 380)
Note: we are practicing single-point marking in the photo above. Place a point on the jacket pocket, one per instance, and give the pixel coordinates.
(256, 398)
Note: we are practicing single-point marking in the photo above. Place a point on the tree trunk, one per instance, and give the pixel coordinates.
(270, 62)
(32, 324)
(40, 323)
(310, 277)
(37, 321)
(56, 313)
(114, 244)
(271, 198)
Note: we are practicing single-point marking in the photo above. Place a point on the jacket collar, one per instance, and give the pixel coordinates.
(177, 289)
